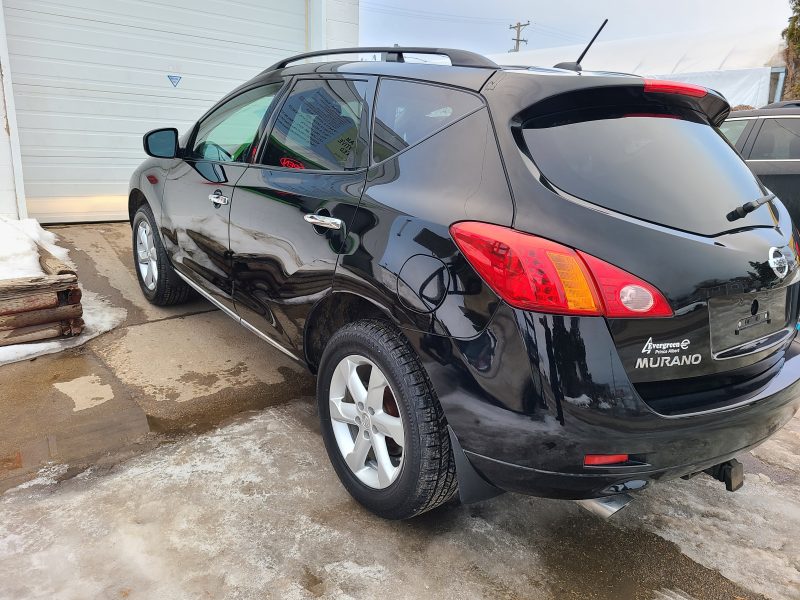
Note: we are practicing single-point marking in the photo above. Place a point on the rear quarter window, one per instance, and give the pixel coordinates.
(733, 130)
(408, 112)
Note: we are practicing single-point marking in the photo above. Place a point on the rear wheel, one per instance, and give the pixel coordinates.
(383, 427)
(158, 280)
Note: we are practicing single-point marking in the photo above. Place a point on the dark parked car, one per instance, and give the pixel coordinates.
(768, 139)
(535, 280)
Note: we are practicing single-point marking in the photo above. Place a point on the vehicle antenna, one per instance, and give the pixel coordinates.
(576, 66)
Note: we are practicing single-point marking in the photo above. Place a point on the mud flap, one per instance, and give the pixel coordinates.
(472, 487)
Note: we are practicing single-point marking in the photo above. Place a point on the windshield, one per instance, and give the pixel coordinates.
(672, 169)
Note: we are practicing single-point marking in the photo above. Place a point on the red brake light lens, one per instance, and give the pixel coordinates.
(527, 271)
(658, 86)
(594, 460)
(533, 273)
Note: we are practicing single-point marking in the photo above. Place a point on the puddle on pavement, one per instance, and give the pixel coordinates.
(577, 555)
(210, 411)
(86, 392)
(70, 409)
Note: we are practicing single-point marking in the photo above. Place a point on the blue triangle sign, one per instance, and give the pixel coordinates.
(174, 80)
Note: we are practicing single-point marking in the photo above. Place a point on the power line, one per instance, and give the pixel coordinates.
(557, 33)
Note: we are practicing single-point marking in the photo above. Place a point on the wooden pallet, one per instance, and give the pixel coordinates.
(39, 308)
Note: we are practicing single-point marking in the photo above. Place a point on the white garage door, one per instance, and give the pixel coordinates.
(91, 76)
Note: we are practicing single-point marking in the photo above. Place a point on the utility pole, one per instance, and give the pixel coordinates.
(518, 27)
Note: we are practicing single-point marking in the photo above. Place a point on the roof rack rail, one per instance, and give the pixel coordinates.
(458, 58)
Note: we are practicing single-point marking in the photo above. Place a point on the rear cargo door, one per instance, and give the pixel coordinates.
(661, 182)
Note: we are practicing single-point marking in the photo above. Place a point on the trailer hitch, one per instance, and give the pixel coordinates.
(731, 473)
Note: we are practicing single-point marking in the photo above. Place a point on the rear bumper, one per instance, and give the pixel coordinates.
(752, 425)
(532, 395)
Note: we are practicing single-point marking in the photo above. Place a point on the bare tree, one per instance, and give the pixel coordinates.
(792, 53)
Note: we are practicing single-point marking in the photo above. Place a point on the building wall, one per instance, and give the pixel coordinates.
(342, 23)
(91, 76)
(12, 195)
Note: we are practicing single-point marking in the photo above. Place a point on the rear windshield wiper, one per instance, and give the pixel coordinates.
(745, 209)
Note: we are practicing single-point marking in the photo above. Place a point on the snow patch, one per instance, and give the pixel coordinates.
(46, 239)
(19, 256)
(47, 475)
(755, 526)
(582, 400)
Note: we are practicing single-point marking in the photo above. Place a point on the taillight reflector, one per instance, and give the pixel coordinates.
(593, 460)
(658, 86)
(533, 273)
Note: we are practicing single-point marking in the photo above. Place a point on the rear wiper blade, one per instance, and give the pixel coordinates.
(748, 207)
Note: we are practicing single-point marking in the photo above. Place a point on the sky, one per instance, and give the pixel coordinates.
(482, 25)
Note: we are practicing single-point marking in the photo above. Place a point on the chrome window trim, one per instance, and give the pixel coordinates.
(772, 160)
(763, 117)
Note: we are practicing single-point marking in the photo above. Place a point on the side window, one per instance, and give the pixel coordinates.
(778, 139)
(230, 133)
(322, 125)
(409, 112)
(733, 130)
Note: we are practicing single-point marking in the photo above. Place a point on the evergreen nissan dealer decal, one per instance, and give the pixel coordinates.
(667, 354)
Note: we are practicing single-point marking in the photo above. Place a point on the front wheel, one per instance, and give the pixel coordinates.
(382, 423)
(158, 280)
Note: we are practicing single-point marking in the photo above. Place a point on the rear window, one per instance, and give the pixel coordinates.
(672, 169)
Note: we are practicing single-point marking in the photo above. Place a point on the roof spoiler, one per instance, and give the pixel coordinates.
(458, 58)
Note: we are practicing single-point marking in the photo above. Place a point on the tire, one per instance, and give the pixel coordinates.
(426, 475)
(164, 288)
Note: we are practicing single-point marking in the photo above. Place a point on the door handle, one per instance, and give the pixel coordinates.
(322, 221)
(217, 199)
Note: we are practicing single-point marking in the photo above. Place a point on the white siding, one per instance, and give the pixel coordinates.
(342, 23)
(90, 77)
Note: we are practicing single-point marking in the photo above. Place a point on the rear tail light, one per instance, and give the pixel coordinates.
(594, 460)
(623, 294)
(533, 273)
(658, 86)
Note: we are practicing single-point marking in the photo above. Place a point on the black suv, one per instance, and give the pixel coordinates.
(552, 282)
(768, 139)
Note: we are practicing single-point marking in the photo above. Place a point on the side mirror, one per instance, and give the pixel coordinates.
(161, 143)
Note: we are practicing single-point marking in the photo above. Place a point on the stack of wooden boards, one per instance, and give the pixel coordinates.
(42, 307)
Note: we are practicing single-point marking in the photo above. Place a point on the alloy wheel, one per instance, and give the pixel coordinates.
(367, 422)
(146, 255)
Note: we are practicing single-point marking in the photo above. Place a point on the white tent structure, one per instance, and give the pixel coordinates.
(747, 67)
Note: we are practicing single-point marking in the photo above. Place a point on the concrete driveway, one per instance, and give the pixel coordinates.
(179, 457)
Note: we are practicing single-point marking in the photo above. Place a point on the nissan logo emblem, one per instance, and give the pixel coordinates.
(778, 262)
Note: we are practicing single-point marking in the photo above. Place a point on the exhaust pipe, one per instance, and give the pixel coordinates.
(606, 506)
